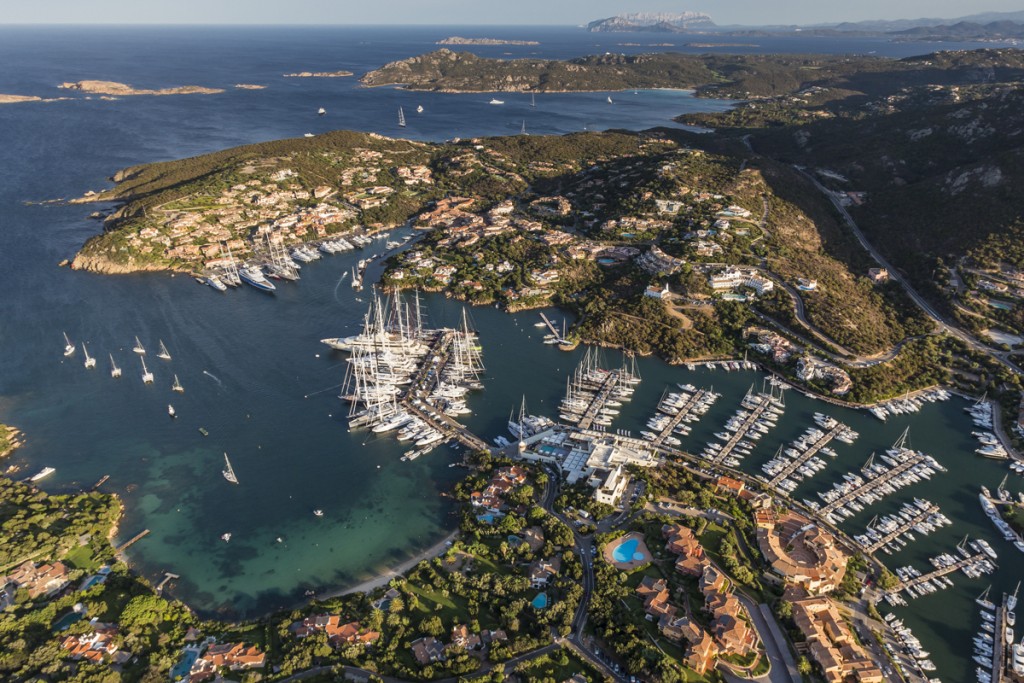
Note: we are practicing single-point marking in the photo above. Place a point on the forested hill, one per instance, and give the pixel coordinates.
(729, 76)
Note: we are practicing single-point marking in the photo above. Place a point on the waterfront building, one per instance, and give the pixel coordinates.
(800, 551)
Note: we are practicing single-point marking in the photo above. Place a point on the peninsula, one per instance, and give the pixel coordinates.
(459, 40)
(123, 89)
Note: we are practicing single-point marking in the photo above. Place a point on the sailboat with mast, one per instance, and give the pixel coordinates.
(147, 376)
(401, 118)
(90, 362)
(533, 100)
(69, 348)
(164, 353)
(522, 131)
(229, 471)
(115, 371)
(177, 386)
(139, 348)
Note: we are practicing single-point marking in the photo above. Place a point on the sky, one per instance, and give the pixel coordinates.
(470, 12)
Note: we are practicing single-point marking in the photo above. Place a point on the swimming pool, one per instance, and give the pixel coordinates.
(184, 665)
(627, 551)
(486, 519)
(541, 601)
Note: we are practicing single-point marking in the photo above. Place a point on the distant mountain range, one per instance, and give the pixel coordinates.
(660, 22)
(982, 26)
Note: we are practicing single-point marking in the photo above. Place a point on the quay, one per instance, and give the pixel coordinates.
(999, 644)
(797, 462)
(451, 428)
(870, 485)
(696, 399)
(551, 326)
(941, 571)
(131, 541)
(922, 516)
(741, 433)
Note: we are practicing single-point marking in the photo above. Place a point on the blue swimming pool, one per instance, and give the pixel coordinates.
(486, 519)
(184, 665)
(541, 601)
(627, 551)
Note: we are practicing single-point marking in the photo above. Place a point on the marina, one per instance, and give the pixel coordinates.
(687, 405)
(802, 460)
(977, 558)
(891, 533)
(759, 412)
(905, 467)
(594, 393)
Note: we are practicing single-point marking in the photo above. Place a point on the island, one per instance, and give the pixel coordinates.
(123, 89)
(249, 86)
(459, 40)
(319, 74)
(14, 99)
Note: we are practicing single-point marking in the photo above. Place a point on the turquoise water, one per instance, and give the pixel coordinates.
(486, 518)
(65, 622)
(541, 601)
(626, 551)
(184, 665)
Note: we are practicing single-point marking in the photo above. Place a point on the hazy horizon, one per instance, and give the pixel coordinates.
(471, 12)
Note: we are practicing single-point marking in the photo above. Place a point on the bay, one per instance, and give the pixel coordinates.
(256, 376)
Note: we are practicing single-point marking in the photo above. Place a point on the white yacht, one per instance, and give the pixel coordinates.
(115, 371)
(69, 348)
(147, 376)
(90, 362)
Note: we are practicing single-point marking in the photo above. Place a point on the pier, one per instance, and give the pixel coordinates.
(168, 576)
(551, 326)
(741, 432)
(131, 541)
(869, 486)
(687, 408)
(449, 427)
(941, 571)
(999, 644)
(923, 515)
(604, 392)
(797, 462)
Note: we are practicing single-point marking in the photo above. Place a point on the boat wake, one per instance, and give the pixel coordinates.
(340, 280)
(213, 377)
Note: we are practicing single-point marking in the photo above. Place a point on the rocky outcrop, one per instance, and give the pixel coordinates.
(13, 99)
(99, 263)
(319, 74)
(123, 89)
(459, 40)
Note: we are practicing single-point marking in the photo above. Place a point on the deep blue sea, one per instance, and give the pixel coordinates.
(256, 376)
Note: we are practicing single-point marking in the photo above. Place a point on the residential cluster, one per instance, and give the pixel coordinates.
(338, 634)
(728, 631)
(429, 650)
(831, 644)
(37, 579)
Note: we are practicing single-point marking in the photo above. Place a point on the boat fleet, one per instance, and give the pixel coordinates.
(116, 371)
(689, 401)
(903, 467)
(406, 379)
(597, 393)
(908, 404)
(814, 440)
(911, 645)
(280, 263)
(981, 415)
(992, 512)
(921, 516)
(757, 415)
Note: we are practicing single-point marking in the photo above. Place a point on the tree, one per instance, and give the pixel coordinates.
(432, 625)
(804, 666)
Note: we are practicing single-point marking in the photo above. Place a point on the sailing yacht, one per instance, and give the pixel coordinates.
(610, 100)
(115, 371)
(401, 118)
(522, 131)
(69, 348)
(90, 362)
(321, 111)
(164, 353)
(533, 100)
(1011, 600)
(177, 386)
(139, 348)
(147, 376)
(229, 472)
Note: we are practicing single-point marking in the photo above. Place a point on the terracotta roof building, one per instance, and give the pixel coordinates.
(801, 552)
(831, 645)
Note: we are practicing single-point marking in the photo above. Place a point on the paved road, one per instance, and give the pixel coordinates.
(943, 324)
